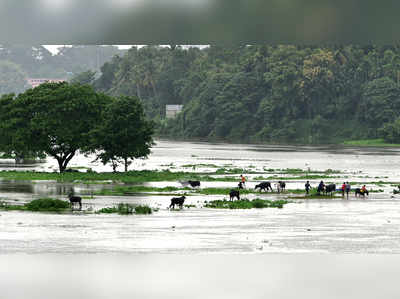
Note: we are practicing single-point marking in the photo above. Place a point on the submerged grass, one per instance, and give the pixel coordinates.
(120, 177)
(245, 204)
(301, 177)
(38, 205)
(126, 209)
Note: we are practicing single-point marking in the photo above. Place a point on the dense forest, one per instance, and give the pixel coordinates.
(263, 93)
(281, 93)
(19, 62)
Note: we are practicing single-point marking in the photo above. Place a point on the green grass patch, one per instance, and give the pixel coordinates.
(143, 210)
(370, 142)
(189, 206)
(245, 204)
(129, 190)
(200, 165)
(126, 209)
(120, 177)
(38, 205)
(302, 177)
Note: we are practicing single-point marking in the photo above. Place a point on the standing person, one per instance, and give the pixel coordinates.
(307, 186)
(243, 180)
(348, 187)
(343, 188)
(321, 187)
(240, 185)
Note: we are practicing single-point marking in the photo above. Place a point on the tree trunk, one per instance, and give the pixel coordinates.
(126, 164)
(64, 160)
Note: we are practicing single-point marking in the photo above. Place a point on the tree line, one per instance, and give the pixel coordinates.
(264, 93)
(19, 62)
(60, 119)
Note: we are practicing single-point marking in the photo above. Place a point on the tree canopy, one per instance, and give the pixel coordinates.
(60, 118)
(263, 93)
(124, 133)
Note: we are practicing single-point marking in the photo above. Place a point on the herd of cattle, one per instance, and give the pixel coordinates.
(263, 186)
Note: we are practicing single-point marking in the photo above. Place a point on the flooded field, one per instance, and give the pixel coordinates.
(337, 225)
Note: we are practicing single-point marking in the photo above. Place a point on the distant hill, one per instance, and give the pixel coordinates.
(35, 61)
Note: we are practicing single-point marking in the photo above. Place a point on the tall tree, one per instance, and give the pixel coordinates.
(55, 118)
(124, 133)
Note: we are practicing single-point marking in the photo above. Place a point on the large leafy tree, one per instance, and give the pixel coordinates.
(124, 133)
(55, 118)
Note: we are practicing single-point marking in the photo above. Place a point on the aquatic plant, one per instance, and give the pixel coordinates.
(143, 210)
(38, 205)
(47, 205)
(246, 204)
(126, 209)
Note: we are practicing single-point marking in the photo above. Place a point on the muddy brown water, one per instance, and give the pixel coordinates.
(337, 225)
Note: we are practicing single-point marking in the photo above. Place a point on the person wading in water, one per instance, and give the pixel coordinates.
(243, 180)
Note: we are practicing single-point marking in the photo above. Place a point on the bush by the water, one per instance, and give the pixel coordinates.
(143, 210)
(38, 205)
(246, 204)
(126, 209)
(47, 204)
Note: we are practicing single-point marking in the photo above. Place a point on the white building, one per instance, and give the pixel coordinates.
(172, 110)
(34, 82)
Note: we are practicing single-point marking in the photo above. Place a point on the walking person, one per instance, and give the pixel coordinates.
(343, 188)
(321, 187)
(243, 180)
(307, 186)
(348, 187)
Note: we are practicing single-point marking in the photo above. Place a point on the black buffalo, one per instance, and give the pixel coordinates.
(233, 194)
(359, 192)
(194, 183)
(280, 186)
(330, 189)
(177, 201)
(75, 199)
(264, 186)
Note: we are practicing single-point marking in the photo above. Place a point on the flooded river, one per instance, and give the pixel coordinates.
(353, 225)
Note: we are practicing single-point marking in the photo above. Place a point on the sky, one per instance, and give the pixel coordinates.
(53, 48)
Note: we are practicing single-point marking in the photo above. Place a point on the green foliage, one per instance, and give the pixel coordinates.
(84, 78)
(277, 93)
(126, 209)
(47, 205)
(107, 210)
(38, 205)
(245, 204)
(55, 118)
(124, 132)
(391, 132)
(143, 210)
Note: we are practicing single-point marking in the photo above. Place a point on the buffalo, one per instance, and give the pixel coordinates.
(359, 192)
(264, 186)
(177, 201)
(330, 189)
(194, 183)
(75, 199)
(233, 194)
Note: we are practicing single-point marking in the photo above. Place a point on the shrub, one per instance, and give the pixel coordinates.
(47, 204)
(108, 210)
(125, 208)
(245, 204)
(143, 210)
